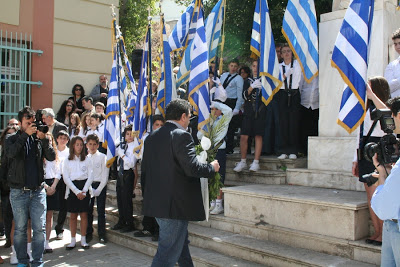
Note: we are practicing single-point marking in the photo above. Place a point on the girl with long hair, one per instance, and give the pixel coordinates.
(74, 128)
(65, 111)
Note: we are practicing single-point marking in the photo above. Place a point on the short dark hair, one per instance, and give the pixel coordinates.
(235, 60)
(74, 89)
(62, 133)
(87, 99)
(93, 137)
(96, 116)
(176, 108)
(396, 34)
(394, 105)
(26, 111)
(127, 129)
(245, 69)
(158, 117)
(100, 104)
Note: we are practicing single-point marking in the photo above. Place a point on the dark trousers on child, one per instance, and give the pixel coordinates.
(101, 212)
(62, 214)
(7, 214)
(124, 196)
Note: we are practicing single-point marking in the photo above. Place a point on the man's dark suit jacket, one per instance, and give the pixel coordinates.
(58, 126)
(171, 174)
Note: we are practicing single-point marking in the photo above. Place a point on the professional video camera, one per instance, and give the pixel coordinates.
(387, 148)
(39, 124)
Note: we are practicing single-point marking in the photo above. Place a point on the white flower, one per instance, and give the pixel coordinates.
(202, 157)
(205, 143)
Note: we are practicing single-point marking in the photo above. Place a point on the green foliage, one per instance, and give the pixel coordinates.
(239, 22)
(133, 21)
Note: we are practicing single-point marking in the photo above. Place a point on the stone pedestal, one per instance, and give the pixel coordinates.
(334, 148)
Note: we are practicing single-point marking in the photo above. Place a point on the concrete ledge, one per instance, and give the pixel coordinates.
(324, 179)
(268, 162)
(314, 210)
(260, 177)
(263, 252)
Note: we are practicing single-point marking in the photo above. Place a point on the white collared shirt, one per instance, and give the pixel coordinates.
(392, 75)
(130, 157)
(98, 170)
(309, 93)
(52, 169)
(295, 77)
(76, 170)
(63, 155)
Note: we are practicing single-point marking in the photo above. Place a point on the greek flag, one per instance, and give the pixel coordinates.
(130, 103)
(262, 45)
(141, 109)
(198, 79)
(166, 88)
(350, 58)
(184, 29)
(213, 25)
(301, 33)
(112, 128)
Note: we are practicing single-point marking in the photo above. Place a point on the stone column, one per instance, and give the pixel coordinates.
(334, 148)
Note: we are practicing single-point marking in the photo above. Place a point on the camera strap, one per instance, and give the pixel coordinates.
(364, 139)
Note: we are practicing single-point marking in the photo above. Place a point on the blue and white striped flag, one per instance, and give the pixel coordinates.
(198, 80)
(350, 58)
(132, 94)
(300, 30)
(166, 87)
(263, 46)
(184, 29)
(213, 25)
(112, 126)
(142, 105)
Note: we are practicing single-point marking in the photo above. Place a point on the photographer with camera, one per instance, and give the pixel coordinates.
(26, 150)
(386, 199)
(377, 93)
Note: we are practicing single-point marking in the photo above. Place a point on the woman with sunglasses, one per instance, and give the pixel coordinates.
(65, 111)
(78, 92)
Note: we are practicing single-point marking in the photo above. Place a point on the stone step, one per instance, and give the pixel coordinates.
(112, 186)
(335, 213)
(201, 257)
(259, 177)
(262, 251)
(324, 179)
(268, 162)
(111, 200)
(354, 250)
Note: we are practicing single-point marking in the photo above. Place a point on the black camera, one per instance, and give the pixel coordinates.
(41, 127)
(369, 179)
(387, 148)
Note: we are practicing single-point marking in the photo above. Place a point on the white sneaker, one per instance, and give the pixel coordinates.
(217, 210)
(212, 205)
(30, 256)
(283, 156)
(13, 258)
(254, 167)
(240, 166)
(292, 156)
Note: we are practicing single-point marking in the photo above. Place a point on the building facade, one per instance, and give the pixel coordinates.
(47, 46)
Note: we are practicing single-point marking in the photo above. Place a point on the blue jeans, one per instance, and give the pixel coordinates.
(390, 244)
(173, 244)
(27, 204)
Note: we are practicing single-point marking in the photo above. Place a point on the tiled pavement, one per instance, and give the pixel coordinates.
(109, 254)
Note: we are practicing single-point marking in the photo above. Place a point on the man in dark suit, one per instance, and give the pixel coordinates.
(171, 174)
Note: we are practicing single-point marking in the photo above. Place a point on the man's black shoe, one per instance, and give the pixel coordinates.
(118, 226)
(143, 233)
(154, 237)
(128, 228)
(7, 244)
(89, 237)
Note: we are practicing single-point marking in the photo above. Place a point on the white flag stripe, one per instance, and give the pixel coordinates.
(303, 44)
(357, 24)
(350, 104)
(348, 50)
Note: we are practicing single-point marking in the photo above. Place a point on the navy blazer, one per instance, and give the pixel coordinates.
(171, 175)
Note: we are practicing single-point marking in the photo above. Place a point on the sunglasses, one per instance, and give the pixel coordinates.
(78, 89)
(69, 106)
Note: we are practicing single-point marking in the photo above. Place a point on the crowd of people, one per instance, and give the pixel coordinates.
(56, 161)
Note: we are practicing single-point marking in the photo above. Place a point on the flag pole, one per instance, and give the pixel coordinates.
(221, 60)
(149, 65)
(116, 35)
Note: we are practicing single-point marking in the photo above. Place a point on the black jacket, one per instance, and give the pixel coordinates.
(171, 174)
(15, 152)
(58, 126)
